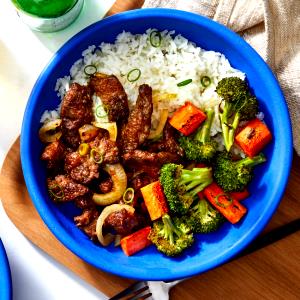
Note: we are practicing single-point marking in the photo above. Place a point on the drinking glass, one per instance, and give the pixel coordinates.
(48, 15)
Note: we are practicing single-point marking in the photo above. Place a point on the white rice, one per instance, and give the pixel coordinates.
(176, 60)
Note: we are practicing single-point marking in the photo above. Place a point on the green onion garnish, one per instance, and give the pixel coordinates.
(90, 70)
(184, 82)
(57, 194)
(83, 149)
(95, 154)
(128, 195)
(134, 75)
(155, 39)
(221, 204)
(101, 111)
(205, 81)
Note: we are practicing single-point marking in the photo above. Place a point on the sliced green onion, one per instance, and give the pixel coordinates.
(56, 194)
(205, 81)
(184, 82)
(155, 39)
(101, 111)
(134, 75)
(221, 204)
(94, 155)
(83, 149)
(128, 195)
(90, 70)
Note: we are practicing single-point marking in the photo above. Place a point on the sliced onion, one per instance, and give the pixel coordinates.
(161, 97)
(88, 132)
(100, 75)
(111, 127)
(107, 239)
(119, 179)
(48, 132)
(118, 238)
(160, 127)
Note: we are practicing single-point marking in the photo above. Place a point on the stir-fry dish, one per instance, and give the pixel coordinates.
(140, 182)
(136, 191)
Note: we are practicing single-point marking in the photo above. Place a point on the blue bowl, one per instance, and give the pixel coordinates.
(5, 278)
(266, 190)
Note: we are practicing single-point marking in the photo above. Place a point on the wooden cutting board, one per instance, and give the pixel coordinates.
(272, 272)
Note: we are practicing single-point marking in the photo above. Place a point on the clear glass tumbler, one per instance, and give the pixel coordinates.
(48, 15)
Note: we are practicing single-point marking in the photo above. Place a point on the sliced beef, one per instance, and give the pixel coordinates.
(65, 188)
(122, 222)
(112, 94)
(88, 219)
(76, 110)
(140, 181)
(88, 215)
(168, 143)
(87, 222)
(107, 148)
(152, 171)
(136, 157)
(85, 201)
(81, 168)
(106, 186)
(53, 154)
(136, 131)
(137, 183)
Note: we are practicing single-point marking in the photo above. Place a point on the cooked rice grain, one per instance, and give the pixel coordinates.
(176, 60)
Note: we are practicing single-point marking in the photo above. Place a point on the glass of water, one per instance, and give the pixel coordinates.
(48, 15)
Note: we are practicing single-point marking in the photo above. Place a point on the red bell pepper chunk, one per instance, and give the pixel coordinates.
(136, 241)
(240, 195)
(229, 207)
(253, 137)
(155, 200)
(187, 118)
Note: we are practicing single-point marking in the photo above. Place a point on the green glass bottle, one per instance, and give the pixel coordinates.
(48, 15)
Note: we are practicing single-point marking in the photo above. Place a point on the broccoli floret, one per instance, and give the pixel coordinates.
(239, 105)
(203, 218)
(200, 148)
(181, 186)
(235, 175)
(231, 87)
(171, 237)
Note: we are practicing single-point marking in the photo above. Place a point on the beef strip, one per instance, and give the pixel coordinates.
(106, 186)
(168, 142)
(136, 131)
(88, 219)
(135, 157)
(81, 168)
(140, 181)
(152, 171)
(90, 230)
(85, 201)
(108, 149)
(122, 222)
(87, 216)
(66, 188)
(87, 222)
(53, 154)
(76, 110)
(112, 94)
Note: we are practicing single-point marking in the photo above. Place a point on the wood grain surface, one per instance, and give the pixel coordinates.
(272, 272)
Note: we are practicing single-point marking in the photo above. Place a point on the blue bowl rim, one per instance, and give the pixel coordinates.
(55, 226)
(6, 290)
